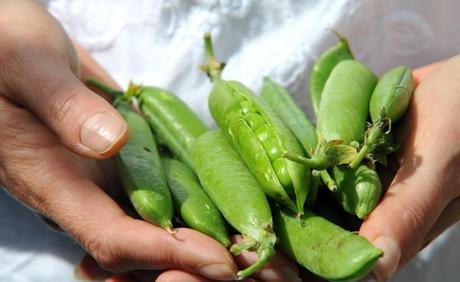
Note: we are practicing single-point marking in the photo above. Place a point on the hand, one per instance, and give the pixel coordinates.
(52, 130)
(423, 198)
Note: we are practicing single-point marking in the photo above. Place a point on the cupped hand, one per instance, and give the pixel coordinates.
(423, 198)
(53, 130)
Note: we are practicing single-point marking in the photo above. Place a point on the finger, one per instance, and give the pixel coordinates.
(420, 73)
(175, 275)
(89, 269)
(280, 268)
(122, 278)
(448, 217)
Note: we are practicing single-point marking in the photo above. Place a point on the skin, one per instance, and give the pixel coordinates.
(45, 165)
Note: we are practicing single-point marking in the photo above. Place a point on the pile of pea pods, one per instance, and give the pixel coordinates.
(295, 185)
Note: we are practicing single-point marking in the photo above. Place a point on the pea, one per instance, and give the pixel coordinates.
(358, 190)
(281, 171)
(237, 194)
(323, 248)
(388, 103)
(141, 174)
(344, 104)
(194, 206)
(246, 107)
(323, 68)
(223, 100)
(172, 120)
(255, 121)
(264, 132)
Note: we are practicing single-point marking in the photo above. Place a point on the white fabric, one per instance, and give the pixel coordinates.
(159, 42)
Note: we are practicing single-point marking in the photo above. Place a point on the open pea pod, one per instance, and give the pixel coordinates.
(259, 136)
(139, 166)
(237, 194)
(324, 248)
(171, 119)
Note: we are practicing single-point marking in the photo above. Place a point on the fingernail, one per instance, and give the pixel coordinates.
(101, 131)
(281, 274)
(369, 278)
(218, 271)
(389, 262)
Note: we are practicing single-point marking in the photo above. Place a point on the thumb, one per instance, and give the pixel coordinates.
(84, 122)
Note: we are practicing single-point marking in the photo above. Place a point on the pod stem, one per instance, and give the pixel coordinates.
(247, 244)
(213, 67)
(264, 256)
(373, 135)
(104, 88)
(318, 161)
(328, 181)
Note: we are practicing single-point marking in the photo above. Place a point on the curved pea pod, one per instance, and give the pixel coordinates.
(172, 120)
(260, 137)
(237, 194)
(392, 94)
(323, 68)
(141, 174)
(388, 103)
(323, 248)
(358, 190)
(195, 207)
(286, 108)
(344, 104)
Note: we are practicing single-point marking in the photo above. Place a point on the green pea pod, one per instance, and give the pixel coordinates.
(192, 203)
(258, 135)
(286, 108)
(392, 94)
(323, 68)
(323, 248)
(388, 103)
(237, 194)
(344, 104)
(358, 190)
(172, 120)
(141, 174)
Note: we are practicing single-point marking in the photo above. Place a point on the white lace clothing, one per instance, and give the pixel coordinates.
(159, 42)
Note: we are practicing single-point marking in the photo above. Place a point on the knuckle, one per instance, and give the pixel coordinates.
(61, 103)
(416, 217)
(107, 253)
